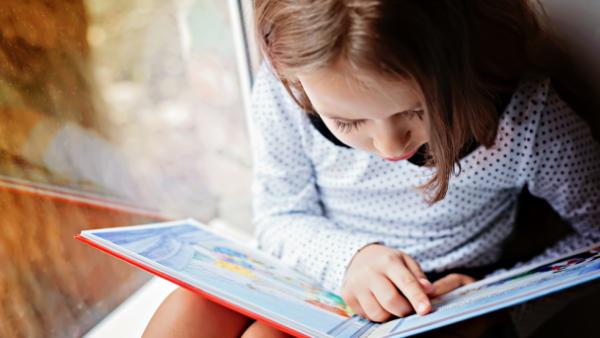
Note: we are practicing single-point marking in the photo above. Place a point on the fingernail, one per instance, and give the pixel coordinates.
(422, 308)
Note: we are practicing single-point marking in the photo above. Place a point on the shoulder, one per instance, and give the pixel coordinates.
(520, 119)
(265, 80)
(271, 102)
(275, 120)
(535, 103)
(539, 126)
(267, 91)
(536, 109)
(527, 101)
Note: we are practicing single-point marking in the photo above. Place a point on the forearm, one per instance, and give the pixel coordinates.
(311, 244)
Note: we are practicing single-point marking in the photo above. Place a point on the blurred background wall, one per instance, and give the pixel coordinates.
(576, 24)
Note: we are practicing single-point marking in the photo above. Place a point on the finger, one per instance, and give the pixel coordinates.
(449, 283)
(353, 303)
(389, 298)
(416, 269)
(403, 278)
(373, 310)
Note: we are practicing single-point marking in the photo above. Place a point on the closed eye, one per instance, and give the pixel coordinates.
(410, 114)
(347, 127)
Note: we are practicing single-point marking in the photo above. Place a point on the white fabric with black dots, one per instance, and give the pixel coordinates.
(316, 204)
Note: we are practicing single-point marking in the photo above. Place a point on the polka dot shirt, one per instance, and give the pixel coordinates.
(316, 204)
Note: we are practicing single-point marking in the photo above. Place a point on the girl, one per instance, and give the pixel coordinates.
(391, 140)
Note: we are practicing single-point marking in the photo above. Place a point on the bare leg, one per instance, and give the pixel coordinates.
(186, 314)
(261, 330)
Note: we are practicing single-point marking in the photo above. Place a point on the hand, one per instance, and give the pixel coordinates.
(382, 282)
(449, 283)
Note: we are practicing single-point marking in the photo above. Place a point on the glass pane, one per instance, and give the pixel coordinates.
(111, 113)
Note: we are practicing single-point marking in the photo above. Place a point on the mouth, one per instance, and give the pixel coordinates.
(403, 157)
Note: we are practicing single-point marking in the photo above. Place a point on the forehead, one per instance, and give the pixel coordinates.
(335, 92)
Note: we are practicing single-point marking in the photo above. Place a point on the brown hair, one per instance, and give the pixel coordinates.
(464, 55)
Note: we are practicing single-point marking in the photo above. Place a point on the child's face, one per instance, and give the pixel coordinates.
(385, 117)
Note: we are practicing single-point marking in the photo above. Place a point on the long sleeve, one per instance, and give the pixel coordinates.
(288, 215)
(565, 162)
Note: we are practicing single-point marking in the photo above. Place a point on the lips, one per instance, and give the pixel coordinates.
(403, 157)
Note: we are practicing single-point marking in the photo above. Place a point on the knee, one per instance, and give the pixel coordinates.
(259, 329)
(186, 314)
(179, 307)
(185, 301)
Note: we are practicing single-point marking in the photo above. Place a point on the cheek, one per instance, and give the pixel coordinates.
(355, 140)
(420, 129)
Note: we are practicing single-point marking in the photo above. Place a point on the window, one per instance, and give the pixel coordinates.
(113, 113)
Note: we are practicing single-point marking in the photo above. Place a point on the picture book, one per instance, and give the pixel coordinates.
(255, 284)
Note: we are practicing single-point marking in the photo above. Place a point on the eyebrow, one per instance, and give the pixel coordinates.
(333, 117)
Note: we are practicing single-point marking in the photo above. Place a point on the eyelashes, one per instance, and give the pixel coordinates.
(416, 112)
(347, 127)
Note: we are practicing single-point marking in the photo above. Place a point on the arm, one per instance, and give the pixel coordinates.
(566, 172)
(290, 222)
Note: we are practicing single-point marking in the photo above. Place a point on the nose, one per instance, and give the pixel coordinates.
(389, 140)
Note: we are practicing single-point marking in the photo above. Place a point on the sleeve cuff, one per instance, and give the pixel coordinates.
(338, 272)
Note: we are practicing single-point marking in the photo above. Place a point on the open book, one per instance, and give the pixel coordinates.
(261, 287)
